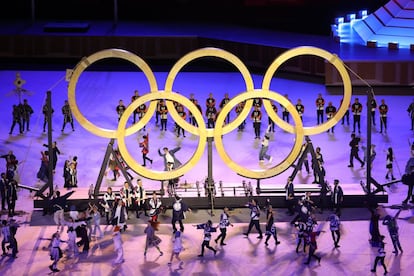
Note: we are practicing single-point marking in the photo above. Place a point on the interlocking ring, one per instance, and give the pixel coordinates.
(219, 129)
(83, 64)
(259, 174)
(201, 131)
(335, 61)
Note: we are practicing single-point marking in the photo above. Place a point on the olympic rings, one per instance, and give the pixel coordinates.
(156, 175)
(335, 61)
(276, 169)
(201, 130)
(83, 64)
(214, 52)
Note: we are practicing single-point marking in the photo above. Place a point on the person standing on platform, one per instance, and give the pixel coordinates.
(271, 230)
(16, 115)
(330, 113)
(133, 98)
(224, 223)
(67, 116)
(354, 144)
(27, 112)
(120, 109)
(140, 196)
(270, 121)
(320, 104)
(410, 111)
(254, 218)
(45, 111)
(142, 110)
(290, 196)
(119, 214)
(334, 226)
(383, 110)
(373, 109)
(181, 112)
(337, 197)
(178, 213)
(408, 179)
(285, 112)
(238, 109)
(346, 115)
(163, 110)
(208, 229)
(108, 204)
(256, 117)
(356, 110)
(300, 108)
(223, 102)
(389, 164)
(4, 183)
(152, 240)
(11, 195)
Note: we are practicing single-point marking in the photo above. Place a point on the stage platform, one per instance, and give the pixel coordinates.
(231, 196)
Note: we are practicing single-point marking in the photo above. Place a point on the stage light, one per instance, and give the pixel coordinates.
(339, 20)
(393, 45)
(350, 17)
(372, 44)
(362, 14)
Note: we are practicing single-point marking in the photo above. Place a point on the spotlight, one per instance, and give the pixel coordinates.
(372, 44)
(393, 45)
(362, 14)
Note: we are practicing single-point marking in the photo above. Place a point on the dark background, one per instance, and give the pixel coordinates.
(304, 16)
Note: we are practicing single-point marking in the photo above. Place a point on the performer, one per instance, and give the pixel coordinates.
(373, 108)
(181, 112)
(408, 179)
(117, 239)
(383, 110)
(108, 204)
(59, 204)
(320, 103)
(11, 164)
(392, 226)
(356, 110)
(191, 116)
(208, 229)
(285, 112)
(330, 113)
(55, 152)
(142, 110)
(133, 98)
(155, 206)
(27, 112)
(163, 110)
(152, 240)
(389, 164)
(45, 111)
(270, 226)
(72, 249)
(170, 161)
(210, 101)
(380, 257)
(223, 102)
(311, 241)
(120, 109)
(290, 196)
(300, 108)
(256, 117)
(271, 122)
(119, 214)
(301, 235)
(55, 251)
(5, 232)
(224, 223)
(178, 213)
(238, 109)
(16, 115)
(126, 196)
(254, 218)
(4, 182)
(211, 113)
(177, 248)
(346, 115)
(265, 146)
(334, 226)
(354, 144)
(337, 197)
(67, 116)
(139, 197)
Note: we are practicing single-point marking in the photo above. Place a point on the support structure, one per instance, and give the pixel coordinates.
(49, 184)
(110, 151)
(210, 180)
